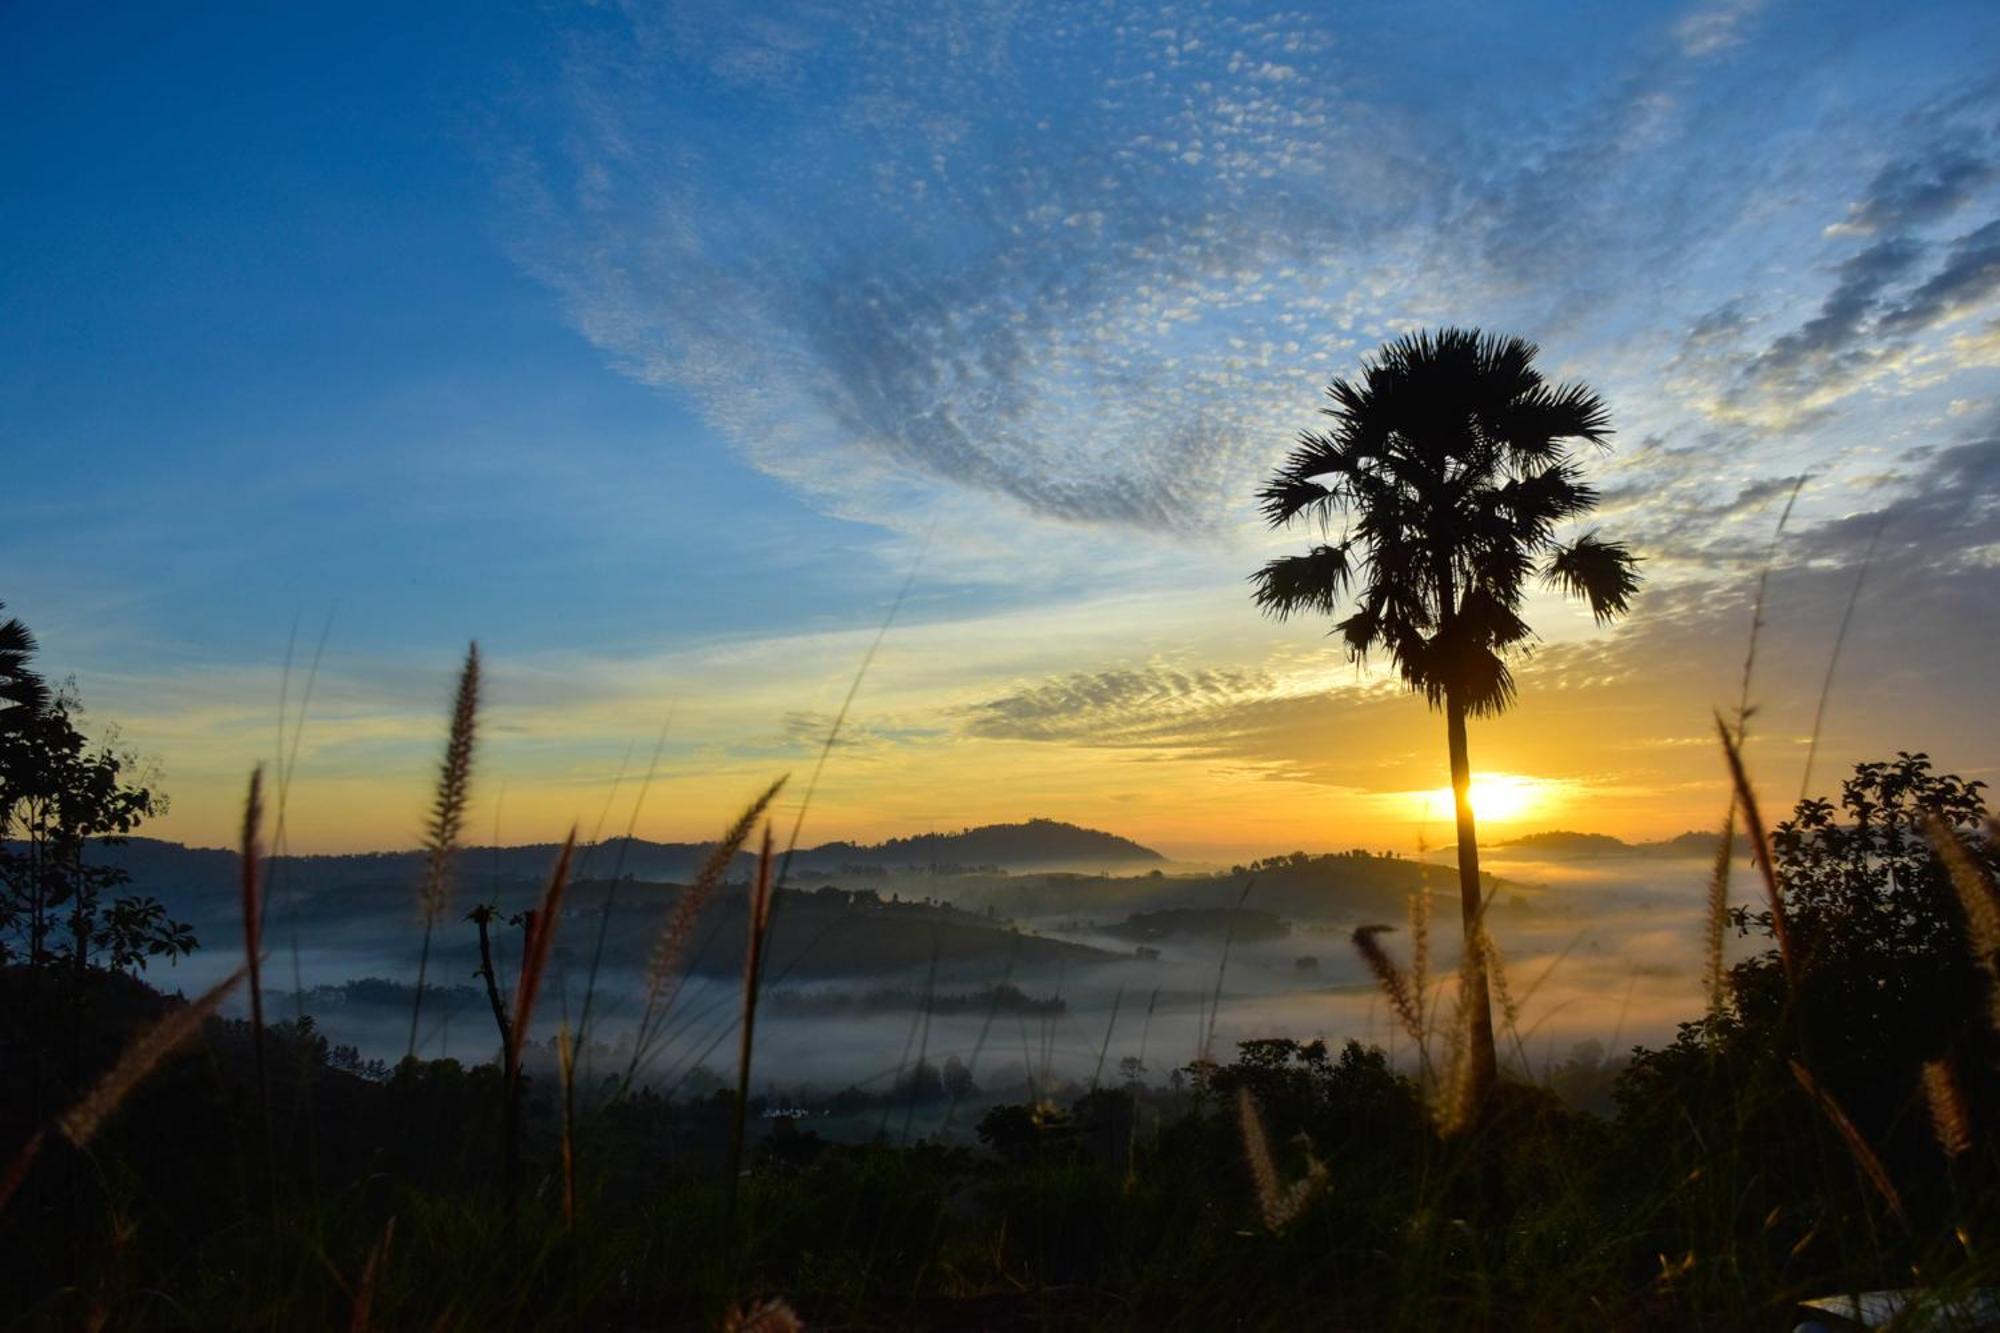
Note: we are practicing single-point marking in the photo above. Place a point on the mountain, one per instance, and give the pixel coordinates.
(179, 873)
(1565, 845)
(1037, 844)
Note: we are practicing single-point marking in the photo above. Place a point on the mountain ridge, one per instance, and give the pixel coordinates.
(1567, 843)
(1032, 843)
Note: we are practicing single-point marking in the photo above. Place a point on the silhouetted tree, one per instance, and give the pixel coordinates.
(57, 797)
(1447, 468)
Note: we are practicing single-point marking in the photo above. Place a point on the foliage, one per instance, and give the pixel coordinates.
(59, 798)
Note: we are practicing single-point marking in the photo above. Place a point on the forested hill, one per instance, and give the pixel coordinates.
(1561, 844)
(1038, 843)
(158, 866)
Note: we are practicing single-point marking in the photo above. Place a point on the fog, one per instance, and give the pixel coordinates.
(1605, 950)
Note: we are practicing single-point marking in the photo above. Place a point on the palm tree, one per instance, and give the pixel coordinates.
(1448, 471)
(21, 688)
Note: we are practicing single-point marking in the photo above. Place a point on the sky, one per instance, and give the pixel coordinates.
(661, 347)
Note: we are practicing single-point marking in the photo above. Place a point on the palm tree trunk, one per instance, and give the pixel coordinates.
(1481, 1066)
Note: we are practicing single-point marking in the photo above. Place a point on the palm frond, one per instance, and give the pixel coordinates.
(20, 685)
(1604, 574)
(1315, 581)
(1537, 423)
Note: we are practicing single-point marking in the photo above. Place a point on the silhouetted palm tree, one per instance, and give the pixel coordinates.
(20, 685)
(1448, 466)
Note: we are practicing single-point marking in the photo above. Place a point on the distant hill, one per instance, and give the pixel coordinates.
(1563, 844)
(1038, 844)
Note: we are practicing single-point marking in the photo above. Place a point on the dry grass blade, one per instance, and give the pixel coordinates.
(761, 894)
(566, 1066)
(1950, 1123)
(1390, 978)
(1716, 926)
(772, 1315)
(1420, 943)
(535, 950)
(371, 1280)
(1278, 1204)
(454, 787)
(1857, 1147)
(674, 939)
(1977, 900)
(1496, 973)
(173, 1030)
(253, 901)
(1760, 847)
(17, 1170)
(1459, 1092)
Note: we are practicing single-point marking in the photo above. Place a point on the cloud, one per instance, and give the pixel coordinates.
(1096, 264)
(1148, 706)
(1921, 187)
(1882, 300)
(1968, 278)
(1714, 28)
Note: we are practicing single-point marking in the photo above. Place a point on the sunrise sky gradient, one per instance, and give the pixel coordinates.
(656, 346)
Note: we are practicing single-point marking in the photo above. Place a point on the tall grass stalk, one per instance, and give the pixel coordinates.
(447, 821)
(753, 963)
(566, 1069)
(1864, 1156)
(253, 933)
(1715, 924)
(1420, 941)
(1760, 848)
(663, 967)
(1221, 969)
(536, 947)
(1457, 1096)
(361, 1318)
(1104, 1047)
(1394, 985)
(1978, 902)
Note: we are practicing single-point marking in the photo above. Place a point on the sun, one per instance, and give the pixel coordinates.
(1497, 798)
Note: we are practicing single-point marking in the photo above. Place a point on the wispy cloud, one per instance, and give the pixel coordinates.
(1097, 264)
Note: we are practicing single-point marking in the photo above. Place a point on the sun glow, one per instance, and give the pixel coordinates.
(1497, 798)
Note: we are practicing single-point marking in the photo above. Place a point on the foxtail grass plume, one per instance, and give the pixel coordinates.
(1760, 847)
(1278, 1204)
(1950, 1123)
(454, 788)
(1395, 986)
(1458, 1090)
(673, 941)
(1978, 901)
(1857, 1147)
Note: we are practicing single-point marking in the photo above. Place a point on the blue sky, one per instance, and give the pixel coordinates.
(654, 345)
